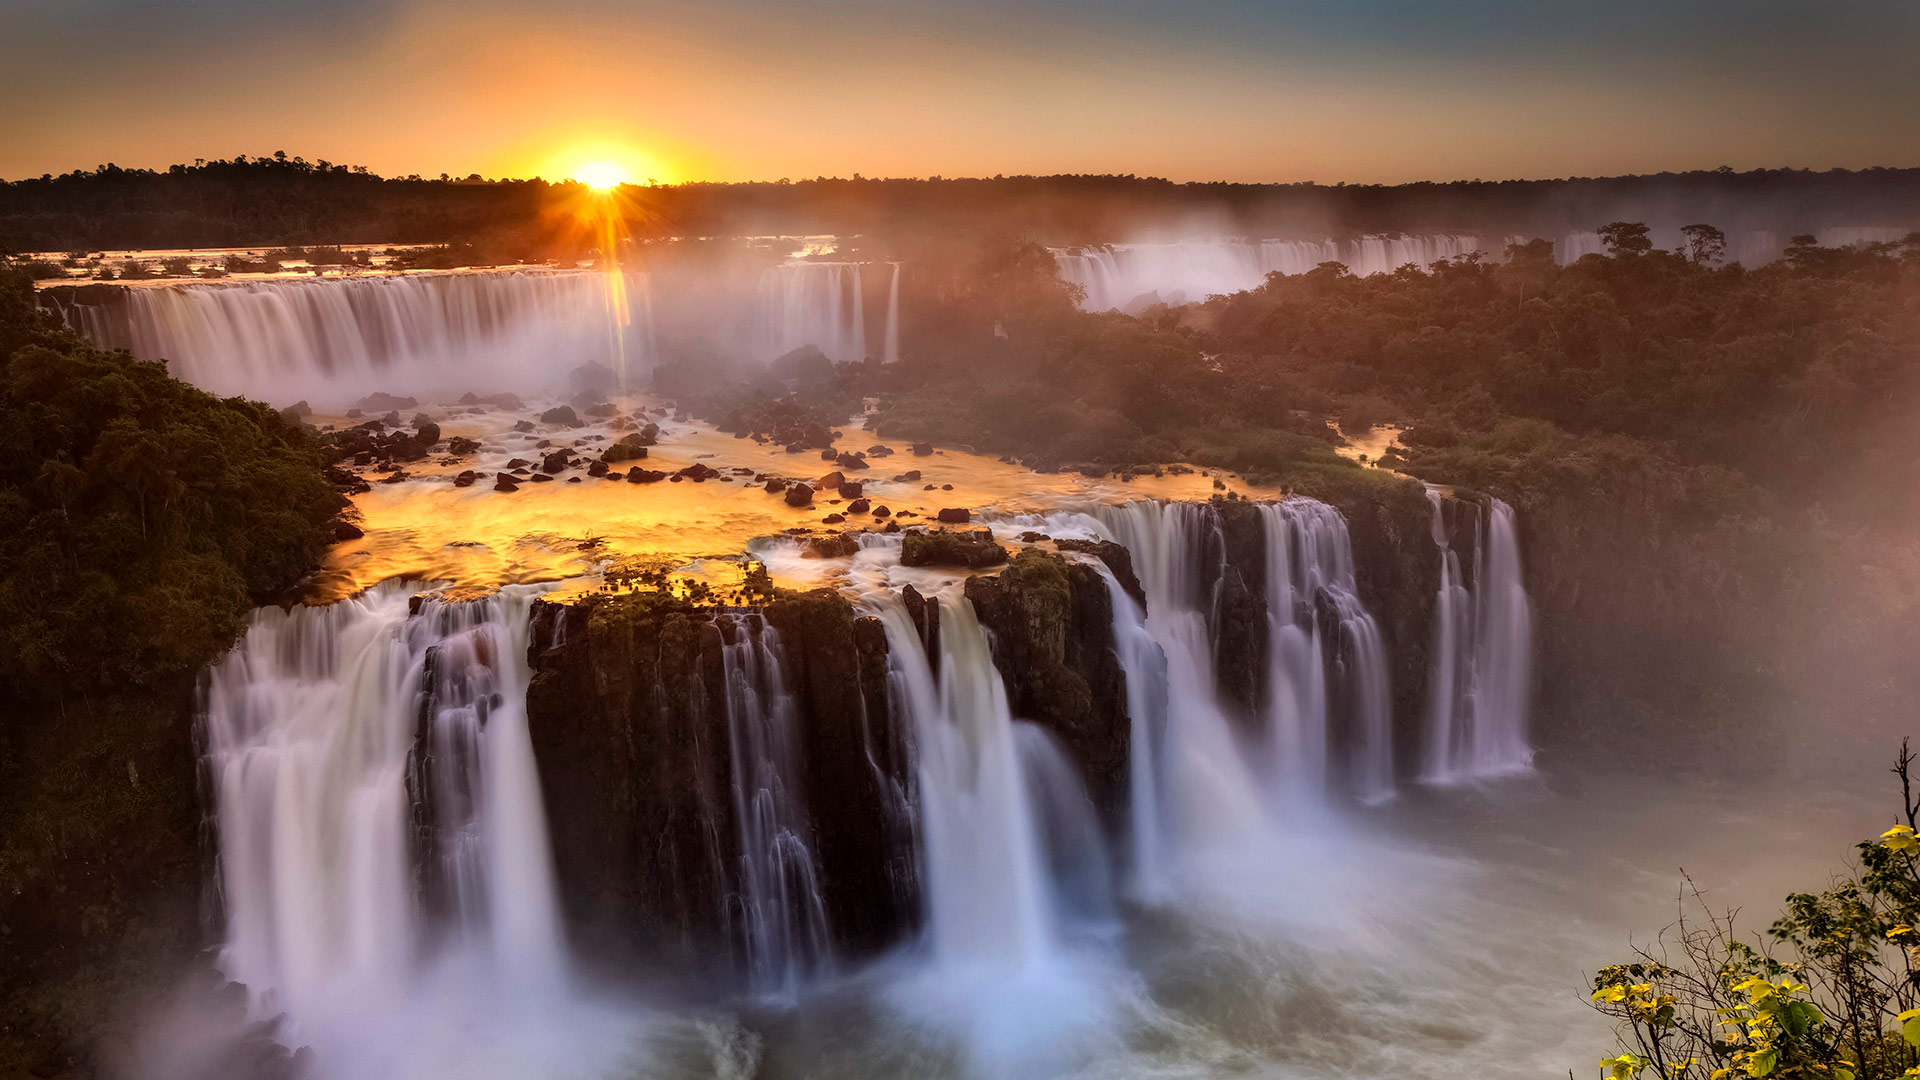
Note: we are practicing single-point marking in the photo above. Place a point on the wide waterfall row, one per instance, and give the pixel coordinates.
(1116, 275)
(332, 341)
(377, 806)
(1482, 647)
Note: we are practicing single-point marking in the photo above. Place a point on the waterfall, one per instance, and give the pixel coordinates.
(1310, 584)
(783, 918)
(334, 340)
(1211, 794)
(1482, 656)
(1147, 703)
(892, 352)
(989, 904)
(376, 803)
(820, 304)
(1116, 276)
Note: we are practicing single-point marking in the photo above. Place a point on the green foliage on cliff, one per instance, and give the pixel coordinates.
(141, 516)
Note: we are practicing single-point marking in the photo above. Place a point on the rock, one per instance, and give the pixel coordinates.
(638, 475)
(466, 479)
(830, 482)
(806, 364)
(519, 463)
(829, 454)
(380, 403)
(834, 519)
(908, 477)
(461, 446)
(944, 547)
(881, 511)
(776, 486)
(946, 487)
(346, 530)
(541, 478)
(392, 419)
(1050, 623)
(799, 495)
(955, 515)
(592, 378)
(398, 476)
(354, 414)
(469, 398)
(922, 449)
(555, 462)
(299, 408)
(561, 414)
(598, 468)
(1118, 559)
(858, 506)
(892, 527)
(1031, 537)
(836, 546)
(850, 489)
(504, 482)
(523, 425)
(604, 409)
(879, 451)
(623, 451)
(699, 472)
(851, 461)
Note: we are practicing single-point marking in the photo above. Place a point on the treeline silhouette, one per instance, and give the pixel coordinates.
(282, 200)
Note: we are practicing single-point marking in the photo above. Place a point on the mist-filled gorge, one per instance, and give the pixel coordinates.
(1030, 626)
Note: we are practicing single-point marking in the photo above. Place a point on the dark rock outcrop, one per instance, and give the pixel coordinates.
(628, 715)
(974, 550)
(1052, 632)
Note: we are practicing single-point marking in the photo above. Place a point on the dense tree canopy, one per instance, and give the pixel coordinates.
(140, 516)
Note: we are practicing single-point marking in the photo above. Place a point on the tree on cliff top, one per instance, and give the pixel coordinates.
(140, 515)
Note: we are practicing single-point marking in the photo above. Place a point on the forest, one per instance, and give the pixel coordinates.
(279, 200)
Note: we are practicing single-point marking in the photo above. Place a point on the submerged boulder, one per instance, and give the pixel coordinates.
(799, 495)
(561, 414)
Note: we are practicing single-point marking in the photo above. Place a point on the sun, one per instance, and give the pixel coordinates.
(601, 175)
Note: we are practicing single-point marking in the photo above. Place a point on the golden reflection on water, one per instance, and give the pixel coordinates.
(476, 538)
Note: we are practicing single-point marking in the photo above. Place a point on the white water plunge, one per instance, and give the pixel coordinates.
(823, 304)
(783, 919)
(1482, 651)
(383, 855)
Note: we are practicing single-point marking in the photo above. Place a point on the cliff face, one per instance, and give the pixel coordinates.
(100, 871)
(1052, 626)
(627, 710)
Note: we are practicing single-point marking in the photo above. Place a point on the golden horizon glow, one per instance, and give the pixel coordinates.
(602, 175)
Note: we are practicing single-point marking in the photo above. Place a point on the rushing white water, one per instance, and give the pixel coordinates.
(783, 918)
(1310, 564)
(382, 843)
(891, 351)
(988, 904)
(822, 304)
(1116, 275)
(1482, 652)
(332, 341)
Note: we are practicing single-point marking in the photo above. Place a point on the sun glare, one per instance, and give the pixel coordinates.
(601, 175)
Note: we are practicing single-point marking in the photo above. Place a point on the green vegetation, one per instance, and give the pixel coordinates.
(140, 521)
(1831, 993)
(142, 516)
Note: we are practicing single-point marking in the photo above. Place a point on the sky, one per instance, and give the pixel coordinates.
(1362, 91)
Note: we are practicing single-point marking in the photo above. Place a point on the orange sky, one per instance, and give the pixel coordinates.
(1373, 90)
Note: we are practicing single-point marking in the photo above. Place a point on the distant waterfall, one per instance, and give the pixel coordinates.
(376, 803)
(1482, 648)
(891, 352)
(783, 919)
(1310, 584)
(822, 304)
(334, 340)
(990, 904)
(1116, 275)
